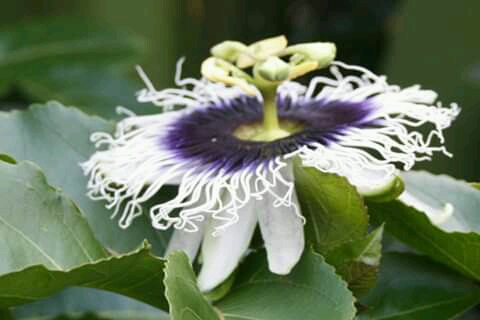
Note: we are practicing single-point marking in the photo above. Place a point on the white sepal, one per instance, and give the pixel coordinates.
(281, 226)
(223, 249)
(187, 241)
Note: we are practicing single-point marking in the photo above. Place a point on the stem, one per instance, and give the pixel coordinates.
(270, 115)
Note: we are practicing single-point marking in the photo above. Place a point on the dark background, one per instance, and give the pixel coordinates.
(430, 42)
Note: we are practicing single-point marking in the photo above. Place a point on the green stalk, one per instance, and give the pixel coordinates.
(270, 114)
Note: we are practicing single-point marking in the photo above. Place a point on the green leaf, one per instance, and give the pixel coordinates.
(46, 245)
(85, 317)
(437, 190)
(185, 299)
(311, 291)
(76, 303)
(414, 288)
(358, 261)
(72, 60)
(138, 275)
(336, 226)
(54, 39)
(334, 211)
(57, 138)
(460, 251)
(39, 224)
(93, 90)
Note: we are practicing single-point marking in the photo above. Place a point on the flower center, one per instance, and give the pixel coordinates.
(232, 134)
(257, 132)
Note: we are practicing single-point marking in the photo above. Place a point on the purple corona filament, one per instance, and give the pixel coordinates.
(206, 135)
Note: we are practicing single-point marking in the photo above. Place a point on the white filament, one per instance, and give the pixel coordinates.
(395, 140)
(133, 165)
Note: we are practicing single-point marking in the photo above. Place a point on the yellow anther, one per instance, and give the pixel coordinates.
(321, 52)
(260, 50)
(302, 68)
(216, 70)
(228, 50)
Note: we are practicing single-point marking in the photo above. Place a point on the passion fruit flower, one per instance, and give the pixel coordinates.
(228, 141)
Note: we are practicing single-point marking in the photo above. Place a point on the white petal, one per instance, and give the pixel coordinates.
(222, 252)
(187, 241)
(281, 227)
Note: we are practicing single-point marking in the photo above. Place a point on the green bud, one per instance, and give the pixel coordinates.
(228, 50)
(273, 69)
(387, 193)
(321, 52)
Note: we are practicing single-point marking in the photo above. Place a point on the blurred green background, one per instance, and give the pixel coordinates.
(429, 42)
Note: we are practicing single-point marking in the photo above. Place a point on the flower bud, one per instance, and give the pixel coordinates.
(386, 192)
